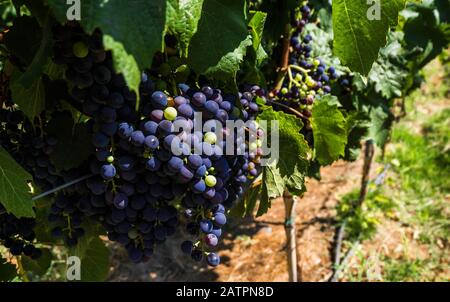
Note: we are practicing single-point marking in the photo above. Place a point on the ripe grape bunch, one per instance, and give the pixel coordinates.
(152, 162)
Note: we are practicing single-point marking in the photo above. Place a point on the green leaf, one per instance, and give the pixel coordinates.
(229, 64)
(27, 88)
(53, 70)
(182, 20)
(358, 124)
(381, 122)
(357, 39)
(8, 271)
(329, 130)
(388, 78)
(31, 100)
(39, 266)
(290, 169)
(14, 191)
(256, 24)
(246, 205)
(72, 149)
(134, 28)
(94, 256)
(34, 71)
(221, 30)
(124, 63)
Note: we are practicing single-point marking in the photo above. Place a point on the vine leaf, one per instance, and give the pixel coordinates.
(182, 20)
(329, 130)
(357, 39)
(39, 266)
(289, 169)
(31, 100)
(14, 191)
(27, 87)
(133, 30)
(94, 256)
(8, 271)
(71, 149)
(229, 64)
(221, 30)
(256, 25)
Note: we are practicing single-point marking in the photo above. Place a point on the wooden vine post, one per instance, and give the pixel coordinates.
(369, 152)
(291, 236)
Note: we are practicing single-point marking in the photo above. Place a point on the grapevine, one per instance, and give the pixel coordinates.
(109, 135)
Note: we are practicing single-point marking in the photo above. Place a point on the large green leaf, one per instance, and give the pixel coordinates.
(329, 130)
(182, 19)
(27, 88)
(287, 172)
(133, 27)
(14, 191)
(221, 30)
(256, 25)
(38, 266)
(94, 256)
(31, 99)
(230, 63)
(381, 122)
(357, 39)
(72, 148)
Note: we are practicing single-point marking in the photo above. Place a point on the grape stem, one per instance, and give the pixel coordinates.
(297, 113)
(284, 64)
(298, 68)
(291, 79)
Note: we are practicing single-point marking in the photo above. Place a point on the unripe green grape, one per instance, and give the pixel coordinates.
(316, 62)
(210, 137)
(284, 90)
(170, 113)
(298, 77)
(80, 50)
(302, 94)
(110, 159)
(210, 181)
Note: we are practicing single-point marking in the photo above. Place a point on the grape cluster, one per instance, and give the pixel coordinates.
(308, 78)
(31, 147)
(151, 162)
(17, 234)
